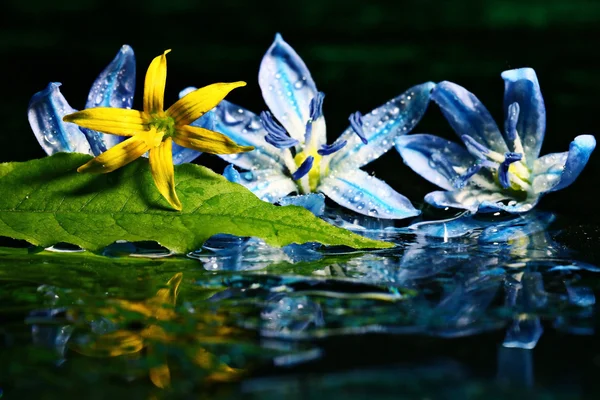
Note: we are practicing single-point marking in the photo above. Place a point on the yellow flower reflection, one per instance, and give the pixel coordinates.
(155, 129)
(129, 342)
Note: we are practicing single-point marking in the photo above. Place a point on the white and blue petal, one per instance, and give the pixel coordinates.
(558, 170)
(438, 160)
(245, 128)
(468, 198)
(313, 202)
(45, 113)
(521, 86)
(288, 89)
(468, 116)
(267, 184)
(381, 126)
(365, 194)
(114, 87)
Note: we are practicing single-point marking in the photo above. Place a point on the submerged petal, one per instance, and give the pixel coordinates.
(558, 170)
(161, 166)
(205, 140)
(114, 87)
(245, 128)
(468, 116)
(267, 184)
(123, 153)
(287, 87)
(521, 86)
(45, 112)
(381, 126)
(365, 194)
(195, 104)
(154, 85)
(468, 198)
(116, 121)
(439, 161)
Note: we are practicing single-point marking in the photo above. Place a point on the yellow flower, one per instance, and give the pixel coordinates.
(155, 129)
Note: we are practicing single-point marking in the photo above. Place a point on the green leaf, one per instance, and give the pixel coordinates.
(46, 201)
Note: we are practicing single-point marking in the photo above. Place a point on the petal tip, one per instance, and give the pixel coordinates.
(585, 142)
(127, 50)
(513, 75)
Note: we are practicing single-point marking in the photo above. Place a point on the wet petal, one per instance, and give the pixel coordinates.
(513, 206)
(423, 153)
(468, 116)
(288, 88)
(114, 87)
(468, 198)
(154, 85)
(268, 184)
(246, 129)
(521, 86)
(205, 140)
(45, 112)
(381, 126)
(122, 154)
(161, 167)
(313, 202)
(195, 104)
(116, 121)
(365, 194)
(558, 170)
(232, 174)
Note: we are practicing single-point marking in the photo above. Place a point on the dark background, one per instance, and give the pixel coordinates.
(360, 53)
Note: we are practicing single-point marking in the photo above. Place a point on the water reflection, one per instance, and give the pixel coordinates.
(244, 306)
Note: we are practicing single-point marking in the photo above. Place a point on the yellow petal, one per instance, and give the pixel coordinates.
(116, 121)
(111, 344)
(207, 141)
(160, 376)
(123, 153)
(192, 106)
(154, 86)
(161, 166)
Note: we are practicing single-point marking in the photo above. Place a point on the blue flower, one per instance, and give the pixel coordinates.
(291, 154)
(114, 87)
(495, 171)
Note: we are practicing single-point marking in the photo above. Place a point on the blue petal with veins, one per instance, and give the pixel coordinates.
(418, 151)
(521, 86)
(558, 170)
(45, 113)
(313, 202)
(365, 194)
(287, 87)
(246, 129)
(114, 87)
(382, 126)
(468, 116)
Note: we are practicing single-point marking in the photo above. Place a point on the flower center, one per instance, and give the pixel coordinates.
(163, 124)
(314, 174)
